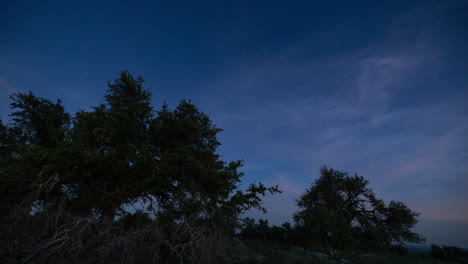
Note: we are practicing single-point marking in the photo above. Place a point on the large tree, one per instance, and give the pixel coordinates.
(120, 152)
(339, 210)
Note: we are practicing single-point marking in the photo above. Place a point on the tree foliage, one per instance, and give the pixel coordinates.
(251, 230)
(339, 210)
(98, 163)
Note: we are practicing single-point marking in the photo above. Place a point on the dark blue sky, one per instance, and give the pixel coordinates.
(370, 87)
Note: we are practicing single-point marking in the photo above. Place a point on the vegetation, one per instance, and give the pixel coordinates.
(67, 182)
(125, 183)
(449, 254)
(341, 210)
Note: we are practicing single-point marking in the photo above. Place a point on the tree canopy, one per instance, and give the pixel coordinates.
(340, 210)
(122, 151)
(99, 163)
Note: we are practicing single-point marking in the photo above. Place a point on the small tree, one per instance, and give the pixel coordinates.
(339, 210)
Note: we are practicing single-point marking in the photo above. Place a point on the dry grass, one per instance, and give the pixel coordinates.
(62, 238)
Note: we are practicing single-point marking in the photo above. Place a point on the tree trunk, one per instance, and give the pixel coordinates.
(107, 217)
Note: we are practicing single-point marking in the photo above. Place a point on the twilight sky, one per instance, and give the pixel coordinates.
(380, 89)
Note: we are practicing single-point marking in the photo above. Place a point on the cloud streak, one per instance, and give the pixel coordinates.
(352, 112)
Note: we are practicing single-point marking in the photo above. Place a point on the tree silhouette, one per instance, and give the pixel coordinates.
(340, 210)
(98, 163)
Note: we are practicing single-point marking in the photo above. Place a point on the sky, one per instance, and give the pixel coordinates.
(379, 88)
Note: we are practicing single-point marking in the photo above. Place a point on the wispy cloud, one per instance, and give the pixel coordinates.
(379, 76)
(352, 112)
(428, 154)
